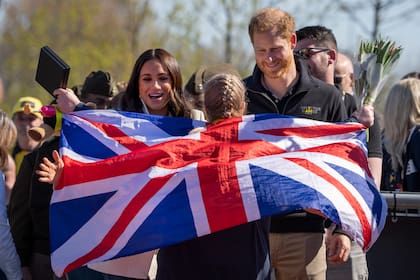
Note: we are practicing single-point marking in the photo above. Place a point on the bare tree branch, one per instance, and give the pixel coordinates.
(405, 14)
(379, 9)
(350, 11)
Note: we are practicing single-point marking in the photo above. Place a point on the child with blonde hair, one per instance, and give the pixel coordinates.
(224, 97)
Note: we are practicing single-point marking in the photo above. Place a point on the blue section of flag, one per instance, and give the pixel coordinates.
(167, 218)
(280, 194)
(71, 215)
(81, 142)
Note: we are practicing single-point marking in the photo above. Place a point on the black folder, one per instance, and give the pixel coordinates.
(52, 71)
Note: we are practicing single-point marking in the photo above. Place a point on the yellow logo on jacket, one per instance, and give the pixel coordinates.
(310, 110)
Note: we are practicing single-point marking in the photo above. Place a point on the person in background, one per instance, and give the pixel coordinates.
(121, 87)
(281, 83)
(391, 180)
(318, 47)
(9, 167)
(344, 73)
(194, 88)
(29, 215)
(402, 131)
(9, 261)
(322, 37)
(98, 88)
(413, 74)
(29, 205)
(344, 80)
(26, 114)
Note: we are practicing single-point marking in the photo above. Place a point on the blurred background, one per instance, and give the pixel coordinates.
(110, 34)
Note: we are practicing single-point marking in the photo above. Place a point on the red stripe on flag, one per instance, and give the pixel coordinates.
(345, 150)
(314, 131)
(366, 229)
(221, 196)
(164, 155)
(219, 183)
(119, 136)
(132, 209)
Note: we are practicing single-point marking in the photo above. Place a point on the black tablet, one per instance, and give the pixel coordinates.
(52, 71)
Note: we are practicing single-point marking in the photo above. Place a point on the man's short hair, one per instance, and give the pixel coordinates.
(320, 34)
(272, 19)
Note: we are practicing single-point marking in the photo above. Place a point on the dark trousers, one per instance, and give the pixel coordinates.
(41, 268)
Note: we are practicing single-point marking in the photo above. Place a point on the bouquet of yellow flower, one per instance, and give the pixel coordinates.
(375, 61)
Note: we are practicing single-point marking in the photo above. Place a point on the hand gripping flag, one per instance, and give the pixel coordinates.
(135, 182)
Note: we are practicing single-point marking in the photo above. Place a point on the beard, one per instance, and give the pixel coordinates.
(283, 65)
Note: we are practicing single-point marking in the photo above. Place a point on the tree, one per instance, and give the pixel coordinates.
(78, 31)
(213, 31)
(138, 21)
(380, 10)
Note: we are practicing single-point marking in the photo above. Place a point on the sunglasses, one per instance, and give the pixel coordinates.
(306, 53)
(339, 78)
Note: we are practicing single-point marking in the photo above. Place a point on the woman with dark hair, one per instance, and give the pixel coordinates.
(155, 85)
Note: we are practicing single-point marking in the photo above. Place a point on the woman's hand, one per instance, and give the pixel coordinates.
(50, 172)
(66, 100)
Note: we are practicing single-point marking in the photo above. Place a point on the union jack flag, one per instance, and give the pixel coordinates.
(134, 182)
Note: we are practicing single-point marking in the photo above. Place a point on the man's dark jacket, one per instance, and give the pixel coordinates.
(29, 205)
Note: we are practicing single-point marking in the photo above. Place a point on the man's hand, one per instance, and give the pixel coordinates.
(338, 247)
(365, 115)
(66, 100)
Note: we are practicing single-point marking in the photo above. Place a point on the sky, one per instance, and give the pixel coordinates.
(348, 34)
(402, 30)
